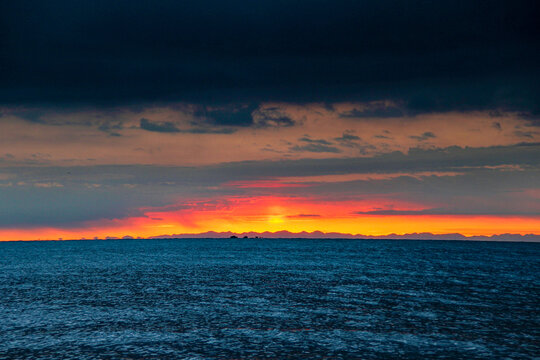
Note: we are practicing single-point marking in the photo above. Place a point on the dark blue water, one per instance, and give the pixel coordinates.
(286, 299)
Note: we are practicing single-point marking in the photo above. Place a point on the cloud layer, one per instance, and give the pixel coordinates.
(429, 56)
(377, 117)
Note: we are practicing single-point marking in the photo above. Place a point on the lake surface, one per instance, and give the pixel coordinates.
(268, 299)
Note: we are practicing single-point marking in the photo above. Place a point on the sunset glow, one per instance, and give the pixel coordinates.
(312, 121)
(260, 214)
(269, 179)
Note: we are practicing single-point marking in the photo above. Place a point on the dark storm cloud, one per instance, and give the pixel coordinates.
(427, 55)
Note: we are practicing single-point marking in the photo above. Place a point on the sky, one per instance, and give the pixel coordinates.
(147, 118)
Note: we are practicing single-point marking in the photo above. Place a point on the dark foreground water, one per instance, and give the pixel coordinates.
(285, 299)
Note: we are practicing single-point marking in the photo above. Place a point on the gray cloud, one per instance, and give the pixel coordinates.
(314, 145)
(95, 192)
(425, 136)
(209, 130)
(272, 117)
(374, 110)
(226, 114)
(348, 139)
(315, 148)
(162, 126)
(307, 139)
(347, 136)
(526, 134)
(169, 127)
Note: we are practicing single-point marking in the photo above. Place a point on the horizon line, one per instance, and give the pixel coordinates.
(284, 234)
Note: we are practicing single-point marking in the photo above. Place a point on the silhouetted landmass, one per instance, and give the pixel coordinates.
(334, 235)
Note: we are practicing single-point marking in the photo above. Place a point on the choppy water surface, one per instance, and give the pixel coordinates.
(231, 299)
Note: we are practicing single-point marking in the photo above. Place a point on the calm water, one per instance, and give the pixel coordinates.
(286, 299)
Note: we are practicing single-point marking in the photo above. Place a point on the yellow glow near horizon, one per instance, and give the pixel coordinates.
(276, 219)
(293, 214)
(375, 225)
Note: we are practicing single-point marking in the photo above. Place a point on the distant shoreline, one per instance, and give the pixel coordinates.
(515, 238)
